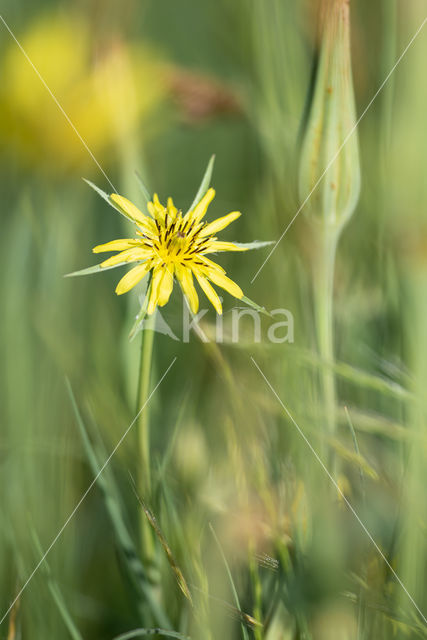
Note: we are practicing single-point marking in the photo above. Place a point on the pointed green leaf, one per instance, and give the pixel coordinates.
(99, 191)
(256, 244)
(204, 185)
(255, 306)
(95, 269)
(108, 199)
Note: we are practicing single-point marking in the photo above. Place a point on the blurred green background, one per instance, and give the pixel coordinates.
(157, 87)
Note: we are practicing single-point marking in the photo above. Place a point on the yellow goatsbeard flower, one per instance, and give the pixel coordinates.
(172, 245)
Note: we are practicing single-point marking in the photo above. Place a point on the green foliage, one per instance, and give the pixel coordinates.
(293, 561)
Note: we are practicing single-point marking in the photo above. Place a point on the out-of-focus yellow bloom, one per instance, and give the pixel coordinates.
(107, 94)
(168, 245)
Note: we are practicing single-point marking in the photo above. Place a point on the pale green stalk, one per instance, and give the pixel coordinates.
(143, 426)
(145, 365)
(324, 291)
(329, 179)
(131, 157)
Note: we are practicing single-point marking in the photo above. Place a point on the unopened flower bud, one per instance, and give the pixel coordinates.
(329, 179)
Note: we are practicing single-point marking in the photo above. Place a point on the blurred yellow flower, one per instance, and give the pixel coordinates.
(170, 244)
(107, 94)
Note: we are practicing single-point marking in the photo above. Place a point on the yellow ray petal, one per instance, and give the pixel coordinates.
(185, 278)
(165, 286)
(214, 246)
(130, 209)
(116, 245)
(225, 283)
(151, 209)
(159, 208)
(130, 255)
(172, 210)
(155, 285)
(200, 210)
(132, 278)
(219, 223)
(209, 263)
(210, 292)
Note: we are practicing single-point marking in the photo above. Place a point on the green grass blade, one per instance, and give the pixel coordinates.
(131, 561)
(230, 577)
(359, 377)
(182, 583)
(204, 185)
(55, 591)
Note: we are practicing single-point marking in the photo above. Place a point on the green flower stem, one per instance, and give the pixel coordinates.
(324, 286)
(143, 427)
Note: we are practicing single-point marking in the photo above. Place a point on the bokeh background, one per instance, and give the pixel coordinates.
(157, 87)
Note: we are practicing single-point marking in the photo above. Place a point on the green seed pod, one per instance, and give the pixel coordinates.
(329, 179)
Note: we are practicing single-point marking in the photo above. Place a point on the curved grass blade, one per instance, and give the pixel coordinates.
(376, 424)
(358, 454)
(138, 633)
(204, 185)
(245, 634)
(55, 591)
(177, 571)
(353, 458)
(243, 617)
(360, 377)
(131, 562)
